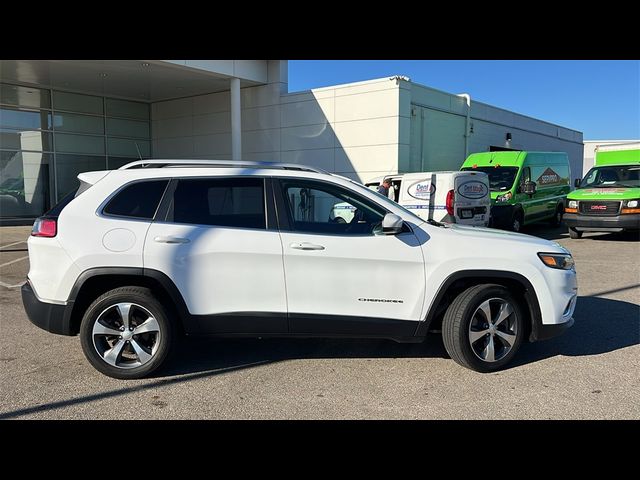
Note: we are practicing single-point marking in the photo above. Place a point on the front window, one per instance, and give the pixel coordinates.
(500, 178)
(318, 207)
(625, 176)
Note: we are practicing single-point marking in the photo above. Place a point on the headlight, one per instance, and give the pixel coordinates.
(503, 198)
(631, 203)
(573, 204)
(562, 261)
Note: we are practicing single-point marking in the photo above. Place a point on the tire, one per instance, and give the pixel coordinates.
(556, 220)
(574, 233)
(516, 221)
(132, 355)
(465, 316)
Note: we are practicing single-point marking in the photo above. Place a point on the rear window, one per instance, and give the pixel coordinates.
(137, 200)
(55, 211)
(226, 202)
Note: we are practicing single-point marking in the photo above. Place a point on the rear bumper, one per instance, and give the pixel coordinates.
(51, 317)
(602, 223)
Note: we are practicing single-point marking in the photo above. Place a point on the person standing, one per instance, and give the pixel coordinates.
(383, 188)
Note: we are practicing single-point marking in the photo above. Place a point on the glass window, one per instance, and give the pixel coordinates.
(500, 178)
(21, 119)
(124, 108)
(627, 176)
(126, 147)
(25, 140)
(137, 200)
(75, 102)
(317, 207)
(71, 122)
(24, 183)
(69, 166)
(24, 96)
(114, 163)
(127, 128)
(226, 202)
(79, 143)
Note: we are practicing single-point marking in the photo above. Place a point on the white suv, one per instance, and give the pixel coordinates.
(138, 255)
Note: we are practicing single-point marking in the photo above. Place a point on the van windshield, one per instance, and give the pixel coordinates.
(500, 178)
(612, 176)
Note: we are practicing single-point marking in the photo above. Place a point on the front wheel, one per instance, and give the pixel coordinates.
(573, 233)
(125, 333)
(483, 328)
(556, 220)
(516, 221)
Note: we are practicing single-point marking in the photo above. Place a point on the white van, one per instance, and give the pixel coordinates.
(452, 197)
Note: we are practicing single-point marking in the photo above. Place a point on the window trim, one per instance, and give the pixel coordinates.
(100, 210)
(285, 222)
(164, 208)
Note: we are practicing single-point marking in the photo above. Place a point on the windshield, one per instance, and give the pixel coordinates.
(612, 176)
(500, 178)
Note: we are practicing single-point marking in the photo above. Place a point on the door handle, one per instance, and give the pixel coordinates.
(306, 246)
(169, 239)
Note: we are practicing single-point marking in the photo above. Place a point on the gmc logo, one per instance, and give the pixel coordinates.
(598, 207)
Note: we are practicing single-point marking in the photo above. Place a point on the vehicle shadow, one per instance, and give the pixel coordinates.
(602, 325)
(202, 354)
(561, 232)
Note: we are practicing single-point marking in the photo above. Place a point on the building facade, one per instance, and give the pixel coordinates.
(59, 118)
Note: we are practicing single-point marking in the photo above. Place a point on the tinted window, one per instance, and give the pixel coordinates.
(323, 208)
(226, 202)
(612, 176)
(138, 200)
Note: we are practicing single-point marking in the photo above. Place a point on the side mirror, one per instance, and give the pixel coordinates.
(576, 182)
(391, 224)
(529, 188)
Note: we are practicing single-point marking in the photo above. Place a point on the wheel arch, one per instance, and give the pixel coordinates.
(93, 282)
(459, 281)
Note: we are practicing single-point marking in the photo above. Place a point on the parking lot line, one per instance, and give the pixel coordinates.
(12, 244)
(14, 261)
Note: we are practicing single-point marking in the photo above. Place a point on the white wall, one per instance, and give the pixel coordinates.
(349, 129)
(489, 126)
(360, 130)
(590, 151)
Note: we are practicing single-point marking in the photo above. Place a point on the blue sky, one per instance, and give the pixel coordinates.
(601, 98)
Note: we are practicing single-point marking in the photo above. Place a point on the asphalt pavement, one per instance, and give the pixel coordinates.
(591, 372)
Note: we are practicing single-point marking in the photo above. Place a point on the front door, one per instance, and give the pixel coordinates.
(346, 277)
(216, 246)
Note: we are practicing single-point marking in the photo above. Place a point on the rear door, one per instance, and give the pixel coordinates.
(472, 200)
(218, 245)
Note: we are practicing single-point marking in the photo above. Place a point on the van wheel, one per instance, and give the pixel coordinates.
(574, 233)
(483, 328)
(125, 333)
(516, 221)
(556, 220)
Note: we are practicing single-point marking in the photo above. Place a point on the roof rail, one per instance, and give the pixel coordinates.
(219, 164)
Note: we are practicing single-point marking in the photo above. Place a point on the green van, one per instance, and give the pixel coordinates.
(607, 199)
(526, 187)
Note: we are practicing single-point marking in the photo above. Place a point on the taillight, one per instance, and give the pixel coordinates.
(45, 227)
(450, 194)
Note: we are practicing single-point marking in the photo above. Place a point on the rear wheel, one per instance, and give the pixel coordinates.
(573, 233)
(483, 328)
(125, 333)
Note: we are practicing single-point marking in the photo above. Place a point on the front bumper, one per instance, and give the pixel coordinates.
(51, 317)
(501, 215)
(617, 223)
